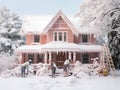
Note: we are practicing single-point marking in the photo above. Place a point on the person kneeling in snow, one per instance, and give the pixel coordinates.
(53, 68)
(25, 67)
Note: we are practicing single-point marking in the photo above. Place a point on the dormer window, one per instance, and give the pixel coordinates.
(84, 38)
(36, 38)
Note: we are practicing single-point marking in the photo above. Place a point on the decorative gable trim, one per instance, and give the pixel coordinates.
(60, 13)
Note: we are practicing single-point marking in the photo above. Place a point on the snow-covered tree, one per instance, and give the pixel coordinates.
(103, 15)
(10, 38)
(90, 16)
(10, 25)
(111, 23)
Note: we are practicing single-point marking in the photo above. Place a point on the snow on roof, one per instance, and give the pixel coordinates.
(37, 24)
(90, 48)
(83, 30)
(29, 48)
(57, 46)
(60, 46)
(64, 46)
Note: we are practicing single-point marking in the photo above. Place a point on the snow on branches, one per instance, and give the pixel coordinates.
(10, 26)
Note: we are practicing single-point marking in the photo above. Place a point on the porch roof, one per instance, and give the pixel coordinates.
(59, 46)
(90, 48)
(64, 46)
(29, 48)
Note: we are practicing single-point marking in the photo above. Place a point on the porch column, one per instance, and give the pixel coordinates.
(50, 57)
(69, 57)
(23, 58)
(74, 57)
(35, 57)
(45, 58)
(26, 57)
(20, 58)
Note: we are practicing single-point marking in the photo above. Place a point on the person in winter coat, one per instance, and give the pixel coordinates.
(25, 67)
(53, 68)
(66, 67)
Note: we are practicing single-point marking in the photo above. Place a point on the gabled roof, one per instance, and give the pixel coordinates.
(60, 13)
(42, 23)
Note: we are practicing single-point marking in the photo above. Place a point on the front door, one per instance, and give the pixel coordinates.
(39, 58)
(60, 58)
(31, 56)
(85, 58)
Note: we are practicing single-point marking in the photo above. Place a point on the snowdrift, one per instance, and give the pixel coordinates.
(40, 69)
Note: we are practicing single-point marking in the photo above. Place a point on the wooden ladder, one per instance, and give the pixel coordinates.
(109, 60)
(102, 58)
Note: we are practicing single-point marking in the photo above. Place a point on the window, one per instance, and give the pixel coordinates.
(65, 36)
(36, 38)
(84, 38)
(55, 36)
(85, 58)
(60, 36)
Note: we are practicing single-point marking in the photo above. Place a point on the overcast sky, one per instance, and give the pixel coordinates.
(25, 7)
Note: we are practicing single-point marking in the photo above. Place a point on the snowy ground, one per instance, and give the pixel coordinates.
(60, 83)
(11, 80)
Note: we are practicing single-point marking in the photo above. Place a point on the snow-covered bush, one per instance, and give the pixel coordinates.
(42, 70)
(77, 67)
(11, 73)
(16, 71)
(7, 61)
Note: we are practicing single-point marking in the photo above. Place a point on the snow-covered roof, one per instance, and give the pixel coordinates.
(37, 23)
(29, 48)
(56, 46)
(90, 48)
(60, 46)
(83, 30)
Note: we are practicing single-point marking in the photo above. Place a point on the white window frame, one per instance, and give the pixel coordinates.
(62, 35)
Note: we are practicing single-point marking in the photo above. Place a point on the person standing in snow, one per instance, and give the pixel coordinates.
(53, 68)
(25, 67)
(66, 67)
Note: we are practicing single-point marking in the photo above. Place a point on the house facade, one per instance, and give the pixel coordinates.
(56, 38)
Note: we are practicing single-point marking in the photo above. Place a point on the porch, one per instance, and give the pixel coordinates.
(58, 52)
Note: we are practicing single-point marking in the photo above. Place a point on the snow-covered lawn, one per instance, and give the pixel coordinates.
(84, 78)
(60, 83)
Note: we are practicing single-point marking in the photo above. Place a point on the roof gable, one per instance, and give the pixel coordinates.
(66, 20)
(42, 23)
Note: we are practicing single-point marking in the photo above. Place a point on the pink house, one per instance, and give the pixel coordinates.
(56, 38)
